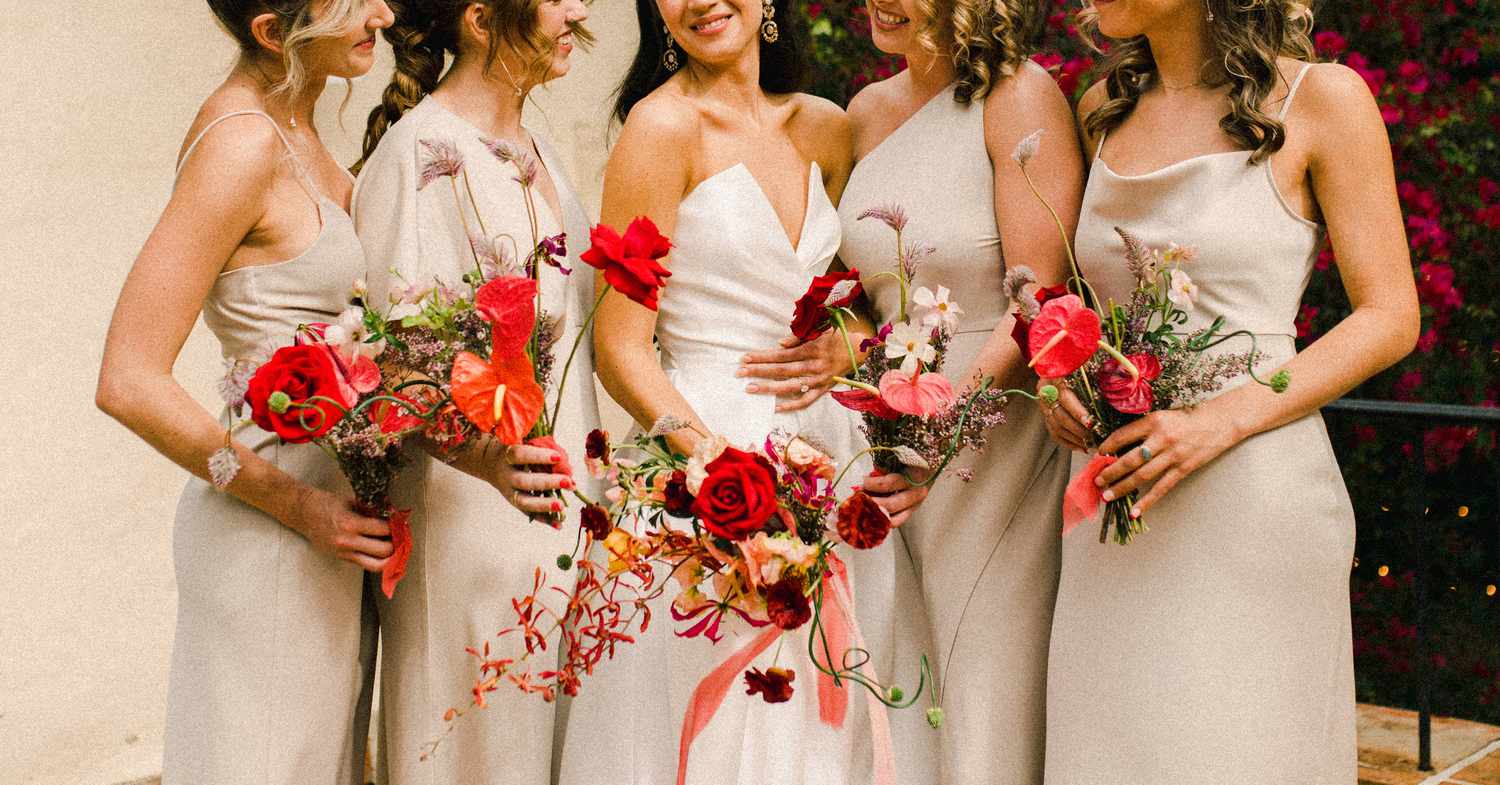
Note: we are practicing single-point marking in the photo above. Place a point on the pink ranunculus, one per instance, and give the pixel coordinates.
(1063, 336)
(920, 394)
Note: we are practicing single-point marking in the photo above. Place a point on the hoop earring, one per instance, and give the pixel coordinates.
(768, 31)
(669, 57)
(1210, 16)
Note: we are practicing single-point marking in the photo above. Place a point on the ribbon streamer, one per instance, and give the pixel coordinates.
(1083, 497)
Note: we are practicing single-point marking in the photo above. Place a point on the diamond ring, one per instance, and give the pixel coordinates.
(804, 388)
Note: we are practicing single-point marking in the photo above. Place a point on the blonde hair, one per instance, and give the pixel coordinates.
(1249, 35)
(986, 39)
(298, 25)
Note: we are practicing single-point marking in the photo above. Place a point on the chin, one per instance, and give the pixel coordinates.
(887, 43)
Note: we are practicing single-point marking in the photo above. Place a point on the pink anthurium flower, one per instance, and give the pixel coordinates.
(920, 394)
(1063, 336)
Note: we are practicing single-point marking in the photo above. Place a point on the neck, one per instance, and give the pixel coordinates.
(1183, 53)
(736, 84)
(488, 100)
(289, 109)
(929, 73)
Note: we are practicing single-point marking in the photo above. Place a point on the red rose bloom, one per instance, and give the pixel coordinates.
(596, 522)
(679, 502)
(811, 318)
(861, 522)
(1127, 395)
(595, 445)
(1021, 330)
(738, 495)
(629, 262)
(301, 373)
(774, 685)
(787, 605)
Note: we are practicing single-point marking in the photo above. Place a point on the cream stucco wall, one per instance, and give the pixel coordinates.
(97, 96)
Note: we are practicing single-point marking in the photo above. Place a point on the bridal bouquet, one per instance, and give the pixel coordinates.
(913, 418)
(327, 389)
(1124, 360)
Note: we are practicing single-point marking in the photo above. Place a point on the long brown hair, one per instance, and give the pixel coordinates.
(1249, 35)
(425, 31)
(987, 39)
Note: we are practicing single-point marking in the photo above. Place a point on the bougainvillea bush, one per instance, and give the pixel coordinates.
(1423, 490)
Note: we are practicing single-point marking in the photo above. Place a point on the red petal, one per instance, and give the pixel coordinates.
(1077, 346)
(395, 566)
(866, 402)
(509, 305)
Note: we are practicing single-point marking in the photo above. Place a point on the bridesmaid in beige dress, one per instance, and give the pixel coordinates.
(1216, 646)
(274, 648)
(936, 139)
(481, 526)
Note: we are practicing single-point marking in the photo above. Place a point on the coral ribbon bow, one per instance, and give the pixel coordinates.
(833, 699)
(1083, 497)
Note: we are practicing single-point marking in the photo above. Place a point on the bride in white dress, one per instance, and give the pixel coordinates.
(746, 196)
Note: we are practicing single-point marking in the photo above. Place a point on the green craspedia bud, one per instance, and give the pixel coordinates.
(935, 717)
(1049, 393)
(896, 694)
(279, 402)
(1281, 380)
(564, 561)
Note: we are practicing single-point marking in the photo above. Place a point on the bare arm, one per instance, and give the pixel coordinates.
(1352, 178)
(624, 355)
(219, 201)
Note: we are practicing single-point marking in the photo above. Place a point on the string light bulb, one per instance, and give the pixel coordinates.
(1383, 571)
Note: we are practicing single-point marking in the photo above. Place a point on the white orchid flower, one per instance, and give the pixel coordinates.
(941, 310)
(912, 344)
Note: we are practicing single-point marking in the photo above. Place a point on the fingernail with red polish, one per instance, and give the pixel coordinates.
(567, 484)
(557, 506)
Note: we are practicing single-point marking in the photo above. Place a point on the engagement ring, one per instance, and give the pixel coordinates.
(804, 388)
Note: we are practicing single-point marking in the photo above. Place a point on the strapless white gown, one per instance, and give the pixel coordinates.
(735, 279)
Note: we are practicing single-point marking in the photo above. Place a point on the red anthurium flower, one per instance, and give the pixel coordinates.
(500, 396)
(774, 685)
(861, 522)
(393, 417)
(395, 566)
(920, 394)
(1022, 328)
(1063, 336)
(1129, 395)
(509, 305)
(865, 401)
(811, 317)
(629, 263)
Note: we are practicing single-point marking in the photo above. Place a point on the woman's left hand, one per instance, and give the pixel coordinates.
(797, 373)
(895, 495)
(1164, 447)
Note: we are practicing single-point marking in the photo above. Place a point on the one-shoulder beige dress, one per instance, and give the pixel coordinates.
(986, 551)
(274, 654)
(1215, 647)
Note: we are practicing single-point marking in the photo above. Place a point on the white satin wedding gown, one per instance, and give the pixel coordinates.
(735, 279)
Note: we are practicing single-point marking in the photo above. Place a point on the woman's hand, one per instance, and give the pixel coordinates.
(528, 473)
(330, 523)
(895, 495)
(1163, 447)
(1067, 419)
(798, 373)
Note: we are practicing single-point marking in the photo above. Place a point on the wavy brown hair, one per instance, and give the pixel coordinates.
(1249, 35)
(426, 31)
(297, 25)
(987, 39)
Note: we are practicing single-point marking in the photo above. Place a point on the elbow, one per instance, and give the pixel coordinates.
(109, 395)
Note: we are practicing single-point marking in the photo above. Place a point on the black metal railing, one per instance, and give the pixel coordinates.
(1416, 502)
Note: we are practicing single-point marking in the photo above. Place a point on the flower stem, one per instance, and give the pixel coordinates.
(577, 341)
(838, 320)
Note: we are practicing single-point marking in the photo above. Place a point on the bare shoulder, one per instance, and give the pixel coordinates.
(1092, 99)
(822, 129)
(239, 155)
(869, 102)
(661, 136)
(1027, 92)
(1332, 87)
(665, 117)
(820, 115)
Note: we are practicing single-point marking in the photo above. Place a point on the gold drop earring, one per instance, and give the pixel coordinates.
(768, 31)
(669, 57)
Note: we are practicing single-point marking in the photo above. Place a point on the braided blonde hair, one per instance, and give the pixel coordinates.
(1249, 35)
(986, 39)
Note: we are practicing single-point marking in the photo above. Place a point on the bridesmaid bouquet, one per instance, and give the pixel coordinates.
(1124, 360)
(327, 389)
(913, 418)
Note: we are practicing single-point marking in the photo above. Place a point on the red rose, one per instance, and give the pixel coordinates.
(293, 376)
(1127, 395)
(629, 262)
(861, 522)
(738, 495)
(787, 604)
(1021, 330)
(679, 501)
(774, 685)
(811, 316)
(596, 522)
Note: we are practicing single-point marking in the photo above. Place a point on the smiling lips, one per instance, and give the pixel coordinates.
(712, 25)
(887, 20)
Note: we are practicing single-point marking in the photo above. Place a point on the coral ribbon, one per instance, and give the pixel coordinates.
(833, 699)
(1083, 497)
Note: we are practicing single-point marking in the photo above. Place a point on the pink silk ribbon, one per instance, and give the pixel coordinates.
(1082, 498)
(833, 699)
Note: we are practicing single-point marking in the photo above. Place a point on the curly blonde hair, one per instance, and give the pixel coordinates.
(986, 39)
(297, 24)
(1249, 35)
